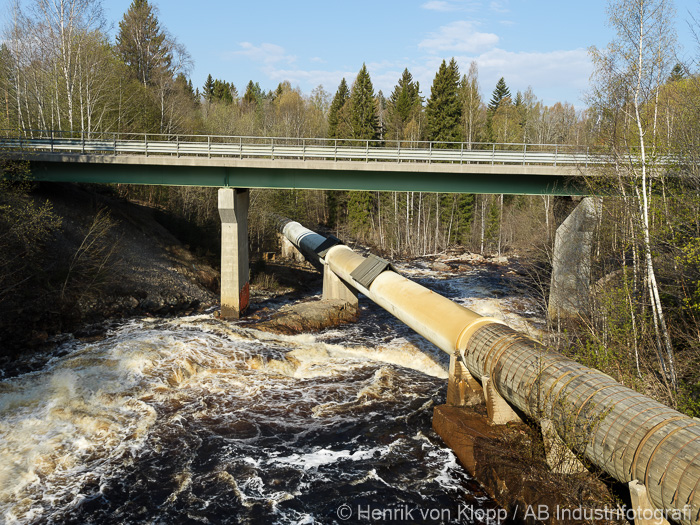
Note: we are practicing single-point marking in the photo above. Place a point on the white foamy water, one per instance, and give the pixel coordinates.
(197, 420)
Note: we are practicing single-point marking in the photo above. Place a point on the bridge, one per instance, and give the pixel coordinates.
(303, 163)
(235, 164)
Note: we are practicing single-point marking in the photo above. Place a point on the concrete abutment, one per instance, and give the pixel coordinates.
(569, 295)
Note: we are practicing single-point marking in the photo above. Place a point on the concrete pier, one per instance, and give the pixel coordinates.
(334, 288)
(235, 273)
(569, 295)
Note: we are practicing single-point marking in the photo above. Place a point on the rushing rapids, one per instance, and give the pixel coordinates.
(194, 419)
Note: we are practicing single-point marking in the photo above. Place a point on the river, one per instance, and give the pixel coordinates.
(196, 420)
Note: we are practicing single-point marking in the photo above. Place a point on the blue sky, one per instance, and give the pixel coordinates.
(542, 44)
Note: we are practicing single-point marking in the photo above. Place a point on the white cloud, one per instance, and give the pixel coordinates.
(555, 76)
(454, 5)
(437, 5)
(460, 37)
(499, 6)
(265, 53)
(311, 77)
(560, 75)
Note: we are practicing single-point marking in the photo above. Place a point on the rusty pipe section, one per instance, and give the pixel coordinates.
(624, 433)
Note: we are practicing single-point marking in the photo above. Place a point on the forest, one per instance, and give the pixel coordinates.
(59, 70)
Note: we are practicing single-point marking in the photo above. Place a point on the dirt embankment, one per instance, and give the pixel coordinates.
(109, 259)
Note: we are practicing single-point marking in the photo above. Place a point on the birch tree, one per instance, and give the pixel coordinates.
(64, 28)
(472, 111)
(628, 77)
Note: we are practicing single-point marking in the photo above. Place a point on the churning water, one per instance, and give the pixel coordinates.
(195, 420)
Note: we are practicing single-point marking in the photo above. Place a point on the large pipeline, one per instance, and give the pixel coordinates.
(624, 433)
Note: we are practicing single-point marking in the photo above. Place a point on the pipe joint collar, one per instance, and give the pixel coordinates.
(469, 330)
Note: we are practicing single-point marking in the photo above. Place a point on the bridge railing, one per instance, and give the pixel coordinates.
(279, 148)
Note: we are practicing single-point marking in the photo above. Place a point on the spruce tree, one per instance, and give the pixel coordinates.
(465, 216)
(360, 207)
(334, 113)
(677, 73)
(363, 109)
(405, 104)
(142, 45)
(443, 112)
(253, 93)
(500, 93)
(208, 88)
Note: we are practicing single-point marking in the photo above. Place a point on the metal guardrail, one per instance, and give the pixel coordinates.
(285, 148)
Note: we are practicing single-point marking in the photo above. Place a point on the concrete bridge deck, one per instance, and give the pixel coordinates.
(327, 164)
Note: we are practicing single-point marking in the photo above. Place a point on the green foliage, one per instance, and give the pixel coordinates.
(500, 100)
(342, 95)
(223, 91)
(465, 216)
(363, 109)
(253, 94)
(25, 227)
(443, 112)
(208, 88)
(142, 45)
(360, 208)
(690, 259)
(689, 399)
(493, 221)
(500, 93)
(24, 223)
(405, 106)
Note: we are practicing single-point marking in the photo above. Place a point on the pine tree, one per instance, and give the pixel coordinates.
(141, 43)
(339, 100)
(363, 109)
(443, 112)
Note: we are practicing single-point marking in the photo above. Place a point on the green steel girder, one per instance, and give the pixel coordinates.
(315, 179)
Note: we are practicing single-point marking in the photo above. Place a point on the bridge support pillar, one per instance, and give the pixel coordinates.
(335, 288)
(569, 294)
(462, 389)
(235, 288)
